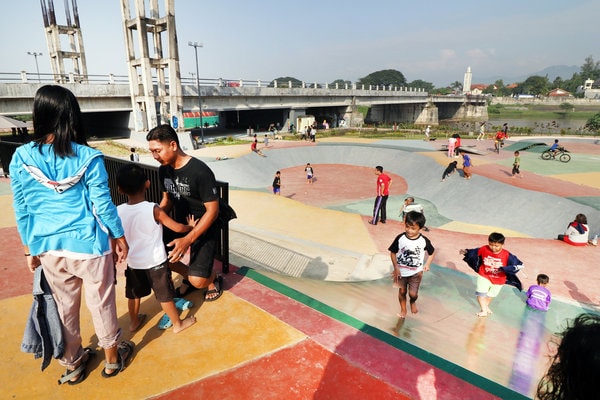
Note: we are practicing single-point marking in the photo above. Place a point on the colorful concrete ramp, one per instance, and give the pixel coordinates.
(309, 311)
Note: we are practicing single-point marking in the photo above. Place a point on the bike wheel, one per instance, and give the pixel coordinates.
(565, 157)
(546, 155)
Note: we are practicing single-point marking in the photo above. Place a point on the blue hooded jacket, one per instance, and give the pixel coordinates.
(63, 203)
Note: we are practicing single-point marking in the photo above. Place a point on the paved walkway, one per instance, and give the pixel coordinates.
(314, 315)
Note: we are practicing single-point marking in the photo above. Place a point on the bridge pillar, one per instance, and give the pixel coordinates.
(428, 114)
(147, 63)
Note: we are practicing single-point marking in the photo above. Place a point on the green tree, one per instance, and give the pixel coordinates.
(572, 85)
(593, 124)
(284, 81)
(535, 85)
(456, 87)
(421, 84)
(341, 84)
(557, 83)
(590, 69)
(384, 77)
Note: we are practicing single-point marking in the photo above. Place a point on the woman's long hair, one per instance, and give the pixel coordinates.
(575, 367)
(56, 112)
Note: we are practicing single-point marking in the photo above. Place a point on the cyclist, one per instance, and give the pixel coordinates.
(499, 140)
(554, 148)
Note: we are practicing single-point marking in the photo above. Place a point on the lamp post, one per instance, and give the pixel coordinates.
(36, 54)
(195, 45)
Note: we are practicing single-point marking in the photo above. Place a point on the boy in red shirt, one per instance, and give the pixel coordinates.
(495, 267)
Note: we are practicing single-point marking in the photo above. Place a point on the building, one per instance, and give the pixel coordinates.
(558, 92)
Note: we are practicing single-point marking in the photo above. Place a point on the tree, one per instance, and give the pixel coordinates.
(590, 69)
(535, 85)
(384, 77)
(341, 84)
(421, 84)
(557, 83)
(456, 86)
(593, 124)
(284, 82)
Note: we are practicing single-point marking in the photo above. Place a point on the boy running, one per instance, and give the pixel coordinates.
(407, 253)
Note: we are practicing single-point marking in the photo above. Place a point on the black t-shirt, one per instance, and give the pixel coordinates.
(189, 187)
(277, 182)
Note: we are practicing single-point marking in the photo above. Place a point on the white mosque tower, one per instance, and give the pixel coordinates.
(467, 81)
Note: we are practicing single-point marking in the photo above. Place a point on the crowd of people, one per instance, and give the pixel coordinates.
(76, 248)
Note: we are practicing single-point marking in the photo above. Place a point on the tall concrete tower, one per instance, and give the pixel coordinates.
(72, 31)
(153, 76)
(467, 81)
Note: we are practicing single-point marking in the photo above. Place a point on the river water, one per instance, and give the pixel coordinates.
(543, 126)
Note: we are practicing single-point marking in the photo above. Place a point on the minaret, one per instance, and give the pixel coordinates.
(467, 81)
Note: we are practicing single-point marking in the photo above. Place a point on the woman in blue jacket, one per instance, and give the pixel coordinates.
(66, 220)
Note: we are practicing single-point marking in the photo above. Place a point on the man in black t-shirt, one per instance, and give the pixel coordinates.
(189, 185)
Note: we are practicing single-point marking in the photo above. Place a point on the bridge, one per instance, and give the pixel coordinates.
(106, 101)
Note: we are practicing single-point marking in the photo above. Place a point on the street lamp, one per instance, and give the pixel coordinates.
(195, 45)
(36, 54)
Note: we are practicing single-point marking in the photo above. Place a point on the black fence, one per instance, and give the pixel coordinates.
(154, 195)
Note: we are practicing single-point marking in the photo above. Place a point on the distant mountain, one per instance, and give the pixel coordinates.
(564, 71)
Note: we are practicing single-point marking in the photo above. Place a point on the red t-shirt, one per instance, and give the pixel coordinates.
(490, 264)
(383, 179)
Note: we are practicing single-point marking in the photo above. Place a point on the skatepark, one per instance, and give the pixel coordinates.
(309, 310)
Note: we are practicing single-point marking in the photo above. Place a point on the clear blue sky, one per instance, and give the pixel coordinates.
(320, 41)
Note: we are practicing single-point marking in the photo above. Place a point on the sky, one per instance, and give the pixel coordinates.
(321, 41)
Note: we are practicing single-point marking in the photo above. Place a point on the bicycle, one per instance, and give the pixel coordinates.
(561, 153)
(498, 143)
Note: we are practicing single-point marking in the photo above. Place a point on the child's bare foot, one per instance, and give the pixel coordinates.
(139, 321)
(402, 313)
(413, 308)
(184, 324)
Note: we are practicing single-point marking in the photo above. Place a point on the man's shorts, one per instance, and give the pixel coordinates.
(202, 253)
(139, 282)
(485, 288)
(276, 190)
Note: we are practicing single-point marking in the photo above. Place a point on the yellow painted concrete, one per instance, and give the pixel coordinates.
(464, 227)
(7, 216)
(218, 341)
(266, 211)
(441, 158)
(591, 179)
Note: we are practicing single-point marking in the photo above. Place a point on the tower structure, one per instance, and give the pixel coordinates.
(154, 75)
(54, 34)
(467, 81)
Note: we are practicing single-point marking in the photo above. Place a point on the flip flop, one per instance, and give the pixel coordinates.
(124, 352)
(217, 291)
(182, 304)
(165, 322)
(80, 372)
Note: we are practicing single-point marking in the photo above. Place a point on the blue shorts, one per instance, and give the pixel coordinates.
(276, 190)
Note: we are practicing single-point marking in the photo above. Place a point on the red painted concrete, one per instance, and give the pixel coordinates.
(15, 278)
(359, 183)
(303, 371)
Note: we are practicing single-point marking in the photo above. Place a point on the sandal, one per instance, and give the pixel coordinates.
(124, 351)
(214, 294)
(80, 372)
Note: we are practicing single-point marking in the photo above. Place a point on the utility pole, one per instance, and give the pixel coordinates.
(195, 45)
(37, 67)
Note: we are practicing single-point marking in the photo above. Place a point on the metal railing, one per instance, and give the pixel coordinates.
(45, 78)
(154, 194)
